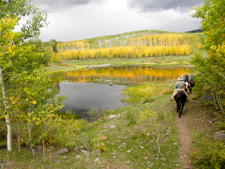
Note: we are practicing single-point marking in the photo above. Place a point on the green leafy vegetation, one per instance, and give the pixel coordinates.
(210, 81)
(27, 93)
(210, 69)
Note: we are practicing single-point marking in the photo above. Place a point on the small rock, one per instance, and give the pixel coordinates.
(97, 160)
(129, 151)
(128, 162)
(175, 144)
(114, 157)
(205, 98)
(147, 134)
(104, 138)
(114, 116)
(146, 158)
(64, 157)
(77, 156)
(110, 126)
(219, 136)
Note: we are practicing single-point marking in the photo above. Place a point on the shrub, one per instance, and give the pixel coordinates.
(209, 154)
(131, 118)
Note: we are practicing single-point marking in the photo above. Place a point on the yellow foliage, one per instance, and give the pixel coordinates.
(34, 102)
(127, 52)
(145, 46)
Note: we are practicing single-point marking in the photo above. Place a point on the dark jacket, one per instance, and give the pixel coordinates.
(187, 78)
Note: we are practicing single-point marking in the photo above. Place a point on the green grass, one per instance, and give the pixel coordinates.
(150, 140)
(144, 93)
(151, 61)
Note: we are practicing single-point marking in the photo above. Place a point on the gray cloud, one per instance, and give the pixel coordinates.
(159, 5)
(56, 5)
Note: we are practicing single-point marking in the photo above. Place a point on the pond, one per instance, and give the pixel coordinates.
(82, 97)
(100, 87)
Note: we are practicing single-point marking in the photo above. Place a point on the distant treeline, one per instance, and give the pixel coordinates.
(131, 45)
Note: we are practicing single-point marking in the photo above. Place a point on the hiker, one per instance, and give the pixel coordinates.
(179, 88)
(192, 76)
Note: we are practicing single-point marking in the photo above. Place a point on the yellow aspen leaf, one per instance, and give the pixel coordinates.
(34, 102)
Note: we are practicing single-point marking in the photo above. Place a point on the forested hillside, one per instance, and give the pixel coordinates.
(131, 45)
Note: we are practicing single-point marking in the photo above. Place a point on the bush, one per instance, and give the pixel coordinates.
(131, 118)
(209, 155)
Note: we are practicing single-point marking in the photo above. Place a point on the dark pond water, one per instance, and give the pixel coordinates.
(91, 88)
(82, 97)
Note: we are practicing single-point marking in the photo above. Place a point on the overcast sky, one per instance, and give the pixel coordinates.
(80, 19)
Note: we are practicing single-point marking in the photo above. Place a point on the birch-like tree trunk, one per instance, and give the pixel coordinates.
(7, 119)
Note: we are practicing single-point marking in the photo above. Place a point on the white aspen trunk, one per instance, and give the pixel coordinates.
(29, 134)
(7, 119)
(18, 133)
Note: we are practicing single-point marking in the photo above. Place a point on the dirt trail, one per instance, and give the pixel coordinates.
(185, 140)
(183, 126)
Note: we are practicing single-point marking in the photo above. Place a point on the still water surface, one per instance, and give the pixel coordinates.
(92, 88)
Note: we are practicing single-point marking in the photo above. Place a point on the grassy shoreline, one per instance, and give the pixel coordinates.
(151, 61)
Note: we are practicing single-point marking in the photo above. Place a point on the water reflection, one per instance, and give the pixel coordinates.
(122, 75)
(84, 95)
